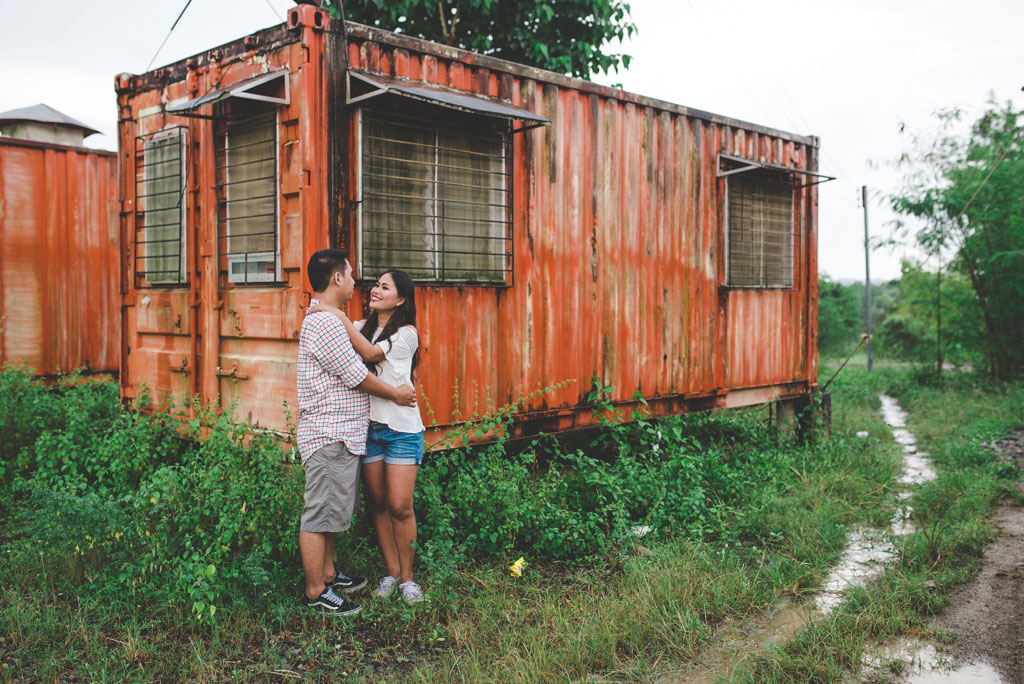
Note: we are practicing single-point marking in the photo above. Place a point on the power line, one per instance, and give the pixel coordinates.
(841, 224)
(810, 128)
(274, 10)
(180, 15)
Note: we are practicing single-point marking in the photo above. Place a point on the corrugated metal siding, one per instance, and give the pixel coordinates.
(618, 249)
(618, 257)
(58, 257)
(251, 330)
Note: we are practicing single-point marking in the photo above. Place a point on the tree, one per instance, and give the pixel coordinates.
(840, 317)
(967, 192)
(566, 36)
(914, 329)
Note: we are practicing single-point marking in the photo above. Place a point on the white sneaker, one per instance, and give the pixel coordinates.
(386, 586)
(411, 592)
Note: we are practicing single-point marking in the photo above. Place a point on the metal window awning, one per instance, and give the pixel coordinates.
(474, 104)
(254, 88)
(745, 165)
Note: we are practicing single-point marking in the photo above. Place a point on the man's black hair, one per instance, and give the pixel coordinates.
(322, 266)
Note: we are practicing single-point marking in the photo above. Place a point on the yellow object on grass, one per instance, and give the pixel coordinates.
(516, 569)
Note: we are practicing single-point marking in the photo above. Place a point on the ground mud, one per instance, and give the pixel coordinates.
(987, 614)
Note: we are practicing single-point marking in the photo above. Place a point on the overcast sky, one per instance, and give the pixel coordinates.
(852, 73)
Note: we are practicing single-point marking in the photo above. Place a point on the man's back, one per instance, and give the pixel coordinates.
(330, 409)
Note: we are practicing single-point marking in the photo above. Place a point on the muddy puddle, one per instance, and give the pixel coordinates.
(868, 549)
(867, 552)
(915, 662)
(737, 641)
(973, 673)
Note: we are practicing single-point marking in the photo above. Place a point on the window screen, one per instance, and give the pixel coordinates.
(160, 255)
(761, 241)
(248, 198)
(435, 199)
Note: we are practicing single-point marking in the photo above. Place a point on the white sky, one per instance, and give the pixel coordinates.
(850, 72)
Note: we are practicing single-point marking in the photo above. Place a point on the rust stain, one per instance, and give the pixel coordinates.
(59, 260)
(618, 249)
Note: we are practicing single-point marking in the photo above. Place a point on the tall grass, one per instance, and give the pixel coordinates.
(159, 558)
(953, 417)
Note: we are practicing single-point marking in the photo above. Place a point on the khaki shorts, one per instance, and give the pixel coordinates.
(332, 489)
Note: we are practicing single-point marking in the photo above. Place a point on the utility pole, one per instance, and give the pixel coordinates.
(938, 319)
(867, 272)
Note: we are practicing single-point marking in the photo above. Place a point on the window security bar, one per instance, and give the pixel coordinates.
(247, 235)
(763, 245)
(430, 201)
(160, 183)
(431, 181)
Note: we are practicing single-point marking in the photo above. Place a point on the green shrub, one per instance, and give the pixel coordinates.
(205, 510)
(196, 519)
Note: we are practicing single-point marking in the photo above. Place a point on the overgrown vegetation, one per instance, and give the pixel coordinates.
(953, 417)
(962, 194)
(841, 320)
(133, 553)
(926, 318)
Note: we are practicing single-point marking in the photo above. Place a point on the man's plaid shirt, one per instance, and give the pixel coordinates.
(330, 410)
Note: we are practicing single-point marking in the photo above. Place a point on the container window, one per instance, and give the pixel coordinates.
(160, 254)
(762, 243)
(247, 195)
(436, 198)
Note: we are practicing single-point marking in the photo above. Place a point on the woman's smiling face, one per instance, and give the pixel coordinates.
(384, 295)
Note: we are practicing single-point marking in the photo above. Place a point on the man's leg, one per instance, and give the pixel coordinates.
(328, 562)
(312, 546)
(321, 515)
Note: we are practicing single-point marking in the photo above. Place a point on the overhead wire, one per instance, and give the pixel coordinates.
(274, 10)
(180, 15)
(843, 175)
(834, 235)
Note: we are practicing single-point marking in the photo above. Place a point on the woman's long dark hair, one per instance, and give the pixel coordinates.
(404, 314)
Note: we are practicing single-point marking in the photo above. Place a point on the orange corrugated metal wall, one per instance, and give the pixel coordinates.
(618, 256)
(618, 249)
(58, 257)
(251, 330)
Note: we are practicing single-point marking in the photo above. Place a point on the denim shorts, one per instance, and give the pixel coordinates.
(393, 447)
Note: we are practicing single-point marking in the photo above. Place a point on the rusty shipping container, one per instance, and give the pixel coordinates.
(59, 257)
(557, 229)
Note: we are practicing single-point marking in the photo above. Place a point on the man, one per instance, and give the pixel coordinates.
(334, 413)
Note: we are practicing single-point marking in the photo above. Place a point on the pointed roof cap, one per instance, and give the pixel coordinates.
(42, 113)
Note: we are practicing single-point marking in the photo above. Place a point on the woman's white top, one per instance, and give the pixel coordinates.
(395, 369)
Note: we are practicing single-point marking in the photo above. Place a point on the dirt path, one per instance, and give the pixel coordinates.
(987, 614)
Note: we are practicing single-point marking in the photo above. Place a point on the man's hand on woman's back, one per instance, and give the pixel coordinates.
(405, 395)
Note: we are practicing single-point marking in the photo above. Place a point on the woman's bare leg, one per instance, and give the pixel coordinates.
(400, 481)
(376, 494)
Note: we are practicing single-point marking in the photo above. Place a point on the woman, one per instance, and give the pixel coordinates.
(387, 340)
